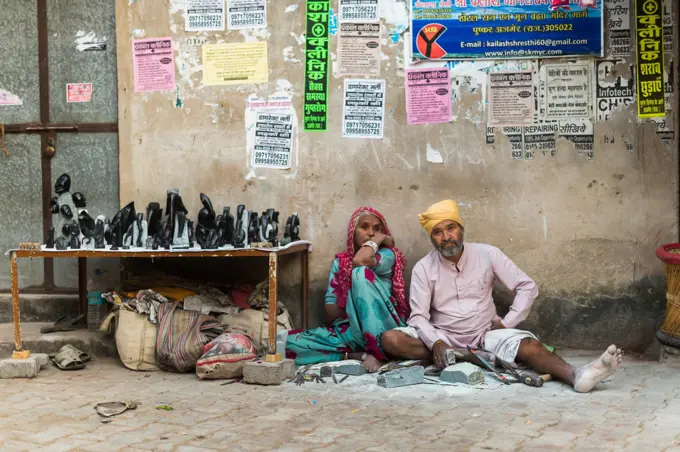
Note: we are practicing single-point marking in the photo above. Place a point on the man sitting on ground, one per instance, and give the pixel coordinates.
(452, 307)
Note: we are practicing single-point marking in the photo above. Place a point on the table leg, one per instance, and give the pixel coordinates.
(82, 284)
(14, 276)
(305, 289)
(273, 273)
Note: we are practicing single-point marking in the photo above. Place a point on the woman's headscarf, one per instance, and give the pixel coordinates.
(343, 277)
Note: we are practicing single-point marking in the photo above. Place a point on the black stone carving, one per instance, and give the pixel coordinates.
(66, 211)
(63, 184)
(99, 240)
(54, 205)
(253, 228)
(50, 238)
(241, 225)
(79, 200)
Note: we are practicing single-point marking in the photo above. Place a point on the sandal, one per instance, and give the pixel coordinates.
(84, 357)
(66, 323)
(68, 360)
(109, 409)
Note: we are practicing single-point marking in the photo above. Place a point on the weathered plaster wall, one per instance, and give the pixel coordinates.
(585, 230)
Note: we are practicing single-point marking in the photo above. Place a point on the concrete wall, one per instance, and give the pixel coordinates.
(585, 230)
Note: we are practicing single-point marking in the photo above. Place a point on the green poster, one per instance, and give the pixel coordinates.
(316, 66)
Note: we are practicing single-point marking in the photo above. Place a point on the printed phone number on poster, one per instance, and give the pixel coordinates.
(524, 29)
(247, 18)
(362, 128)
(205, 21)
(359, 12)
(266, 159)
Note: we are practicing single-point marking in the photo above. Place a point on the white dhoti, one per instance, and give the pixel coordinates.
(503, 342)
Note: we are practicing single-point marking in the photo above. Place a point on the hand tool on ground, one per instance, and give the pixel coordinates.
(488, 365)
(528, 378)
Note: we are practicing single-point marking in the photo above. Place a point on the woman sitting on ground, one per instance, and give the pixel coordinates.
(365, 298)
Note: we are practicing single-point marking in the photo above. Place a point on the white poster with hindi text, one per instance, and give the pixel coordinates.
(363, 112)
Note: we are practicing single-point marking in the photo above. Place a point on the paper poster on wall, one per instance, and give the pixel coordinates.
(204, 15)
(454, 30)
(273, 140)
(247, 14)
(664, 125)
(649, 58)
(568, 92)
(612, 93)
(617, 13)
(363, 108)
(153, 60)
(580, 132)
(78, 93)
(317, 61)
(234, 64)
(540, 138)
(514, 136)
(428, 96)
(359, 49)
(359, 11)
(271, 130)
(511, 98)
(668, 26)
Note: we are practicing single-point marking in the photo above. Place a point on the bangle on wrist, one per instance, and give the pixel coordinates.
(371, 244)
(364, 356)
(437, 342)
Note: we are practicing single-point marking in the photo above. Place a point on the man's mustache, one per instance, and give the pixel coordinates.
(452, 242)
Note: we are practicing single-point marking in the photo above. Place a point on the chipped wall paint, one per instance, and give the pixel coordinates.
(291, 8)
(433, 155)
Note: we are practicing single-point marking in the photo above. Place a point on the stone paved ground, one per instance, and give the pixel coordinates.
(639, 411)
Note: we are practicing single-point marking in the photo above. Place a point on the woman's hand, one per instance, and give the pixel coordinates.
(381, 239)
(371, 364)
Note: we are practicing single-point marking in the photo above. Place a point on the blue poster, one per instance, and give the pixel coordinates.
(505, 29)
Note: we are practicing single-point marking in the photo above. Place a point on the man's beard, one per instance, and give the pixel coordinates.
(449, 248)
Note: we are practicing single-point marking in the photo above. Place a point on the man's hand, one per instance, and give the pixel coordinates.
(497, 325)
(439, 354)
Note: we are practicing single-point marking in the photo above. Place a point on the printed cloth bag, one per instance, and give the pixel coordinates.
(182, 336)
(225, 356)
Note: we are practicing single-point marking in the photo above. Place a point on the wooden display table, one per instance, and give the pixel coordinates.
(302, 247)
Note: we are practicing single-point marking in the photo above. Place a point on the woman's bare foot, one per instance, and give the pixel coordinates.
(591, 374)
(372, 364)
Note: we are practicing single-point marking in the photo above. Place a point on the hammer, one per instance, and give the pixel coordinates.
(535, 380)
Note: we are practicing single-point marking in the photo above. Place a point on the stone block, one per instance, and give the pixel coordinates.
(350, 367)
(260, 372)
(466, 373)
(402, 377)
(42, 359)
(288, 368)
(19, 368)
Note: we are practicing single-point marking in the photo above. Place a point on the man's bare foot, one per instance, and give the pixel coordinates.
(591, 374)
(372, 364)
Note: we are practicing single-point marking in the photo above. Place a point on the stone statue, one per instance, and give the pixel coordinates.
(99, 233)
(63, 207)
(241, 229)
(75, 236)
(50, 238)
(176, 221)
(269, 227)
(292, 231)
(154, 216)
(225, 228)
(87, 228)
(120, 225)
(206, 229)
(253, 228)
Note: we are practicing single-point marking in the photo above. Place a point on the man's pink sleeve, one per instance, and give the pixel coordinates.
(421, 300)
(515, 279)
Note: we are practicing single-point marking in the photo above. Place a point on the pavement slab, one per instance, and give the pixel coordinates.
(638, 409)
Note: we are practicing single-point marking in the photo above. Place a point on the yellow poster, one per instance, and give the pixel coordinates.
(235, 64)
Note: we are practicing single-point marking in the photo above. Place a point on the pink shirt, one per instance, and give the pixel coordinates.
(454, 303)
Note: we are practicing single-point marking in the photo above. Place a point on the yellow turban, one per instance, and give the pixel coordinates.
(443, 210)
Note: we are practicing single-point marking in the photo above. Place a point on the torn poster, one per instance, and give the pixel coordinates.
(317, 59)
(273, 140)
(511, 99)
(668, 26)
(363, 112)
(514, 135)
(271, 128)
(567, 91)
(579, 132)
(664, 125)
(89, 42)
(247, 14)
(153, 60)
(359, 11)
(78, 93)
(7, 98)
(359, 49)
(428, 96)
(617, 13)
(649, 58)
(540, 138)
(614, 94)
(204, 15)
(233, 64)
